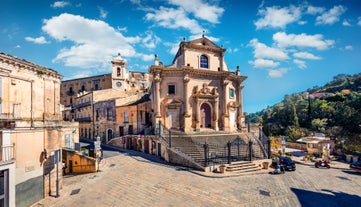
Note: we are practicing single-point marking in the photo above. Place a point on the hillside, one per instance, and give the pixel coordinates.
(333, 109)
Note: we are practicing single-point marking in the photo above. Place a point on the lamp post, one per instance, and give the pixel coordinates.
(342, 142)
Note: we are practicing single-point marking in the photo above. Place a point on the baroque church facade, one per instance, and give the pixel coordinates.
(197, 92)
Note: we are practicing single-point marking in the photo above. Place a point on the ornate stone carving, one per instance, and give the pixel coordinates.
(225, 82)
(205, 89)
(186, 79)
(157, 78)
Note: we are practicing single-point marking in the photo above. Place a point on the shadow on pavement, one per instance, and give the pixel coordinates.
(351, 172)
(326, 198)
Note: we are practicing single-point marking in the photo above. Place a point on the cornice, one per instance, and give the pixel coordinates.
(191, 72)
(23, 64)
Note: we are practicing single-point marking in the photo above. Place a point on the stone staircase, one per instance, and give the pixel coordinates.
(242, 167)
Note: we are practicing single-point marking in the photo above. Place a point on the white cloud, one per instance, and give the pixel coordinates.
(314, 10)
(306, 55)
(300, 63)
(17, 46)
(263, 51)
(302, 40)
(146, 57)
(346, 23)
(150, 40)
(263, 63)
(94, 41)
(60, 4)
(173, 47)
(276, 17)
(359, 21)
(174, 19)
(347, 47)
(302, 22)
(332, 16)
(103, 13)
(38, 40)
(277, 73)
(200, 9)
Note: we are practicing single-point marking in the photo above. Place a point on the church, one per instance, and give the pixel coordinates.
(197, 92)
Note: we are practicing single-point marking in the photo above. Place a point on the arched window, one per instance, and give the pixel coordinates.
(118, 71)
(204, 61)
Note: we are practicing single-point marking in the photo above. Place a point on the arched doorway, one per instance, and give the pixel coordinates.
(205, 116)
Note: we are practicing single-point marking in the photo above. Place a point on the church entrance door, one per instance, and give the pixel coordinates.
(172, 119)
(205, 116)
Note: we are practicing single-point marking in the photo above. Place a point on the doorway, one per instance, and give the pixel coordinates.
(205, 116)
(110, 134)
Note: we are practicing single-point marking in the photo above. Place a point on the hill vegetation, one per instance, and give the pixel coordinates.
(333, 109)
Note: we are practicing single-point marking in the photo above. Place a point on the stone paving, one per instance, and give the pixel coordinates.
(134, 179)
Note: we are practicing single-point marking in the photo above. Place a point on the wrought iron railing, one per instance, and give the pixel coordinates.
(10, 110)
(256, 147)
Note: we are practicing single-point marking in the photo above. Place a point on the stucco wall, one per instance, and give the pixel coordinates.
(29, 191)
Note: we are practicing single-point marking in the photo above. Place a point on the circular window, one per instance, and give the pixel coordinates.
(119, 84)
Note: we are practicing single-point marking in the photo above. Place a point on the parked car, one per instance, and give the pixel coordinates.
(287, 162)
(356, 166)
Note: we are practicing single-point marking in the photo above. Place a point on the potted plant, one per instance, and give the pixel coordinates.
(222, 168)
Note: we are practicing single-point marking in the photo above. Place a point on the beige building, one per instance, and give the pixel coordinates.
(197, 91)
(32, 132)
(92, 101)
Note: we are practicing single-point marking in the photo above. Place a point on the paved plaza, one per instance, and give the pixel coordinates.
(134, 179)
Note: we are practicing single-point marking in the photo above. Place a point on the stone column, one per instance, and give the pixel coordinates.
(198, 114)
(216, 111)
(225, 115)
(240, 118)
(187, 116)
(186, 99)
(157, 80)
(224, 98)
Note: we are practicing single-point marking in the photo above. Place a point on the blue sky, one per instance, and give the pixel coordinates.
(283, 46)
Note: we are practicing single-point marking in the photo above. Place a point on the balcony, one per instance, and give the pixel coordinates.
(85, 119)
(10, 110)
(85, 104)
(7, 153)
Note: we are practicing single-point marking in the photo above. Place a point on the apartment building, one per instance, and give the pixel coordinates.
(32, 132)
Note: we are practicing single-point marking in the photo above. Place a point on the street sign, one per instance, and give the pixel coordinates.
(56, 156)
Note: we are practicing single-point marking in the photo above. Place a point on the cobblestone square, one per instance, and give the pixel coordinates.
(134, 179)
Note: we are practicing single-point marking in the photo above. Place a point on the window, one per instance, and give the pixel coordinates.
(204, 61)
(231, 93)
(109, 113)
(97, 115)
(118, 71)
(126, 116)
(171, 89)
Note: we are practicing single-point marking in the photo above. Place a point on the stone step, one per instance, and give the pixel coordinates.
(242, 167)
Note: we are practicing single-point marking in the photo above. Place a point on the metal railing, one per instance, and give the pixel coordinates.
(7, 153)
(257, 147)
(10, 110)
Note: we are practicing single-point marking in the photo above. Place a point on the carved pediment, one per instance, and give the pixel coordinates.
(172, 101)
(205, 91)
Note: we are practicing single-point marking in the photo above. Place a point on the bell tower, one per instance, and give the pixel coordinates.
(119, 73)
